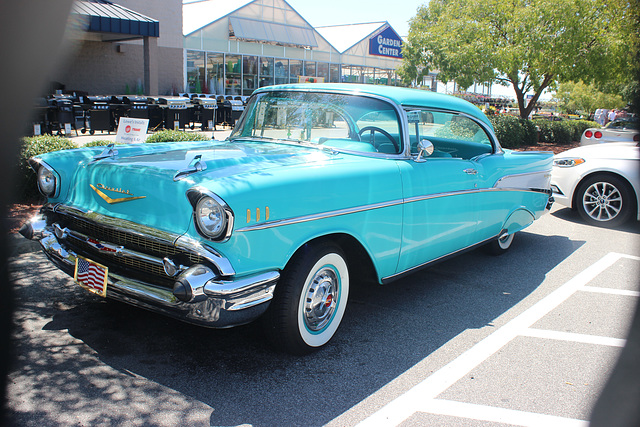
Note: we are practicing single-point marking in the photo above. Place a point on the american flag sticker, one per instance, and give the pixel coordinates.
(91, 276)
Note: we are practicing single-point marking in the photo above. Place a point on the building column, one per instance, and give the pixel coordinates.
(151, 66)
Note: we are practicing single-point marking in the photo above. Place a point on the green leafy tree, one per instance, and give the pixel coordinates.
(578, 97)
(530, 45)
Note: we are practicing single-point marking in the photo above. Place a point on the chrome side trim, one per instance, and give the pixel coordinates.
(314, 217)
(540, 179)
(364, 208)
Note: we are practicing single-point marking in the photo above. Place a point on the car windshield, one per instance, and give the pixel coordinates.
(339, 121)
(630, 123)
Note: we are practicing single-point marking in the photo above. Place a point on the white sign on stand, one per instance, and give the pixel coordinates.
(131, 131)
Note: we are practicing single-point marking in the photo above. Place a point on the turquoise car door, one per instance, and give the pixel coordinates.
(440, 212)
(442, 193)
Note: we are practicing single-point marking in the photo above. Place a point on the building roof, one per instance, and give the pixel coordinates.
(200, 13)
(102, 16)
(344, 37)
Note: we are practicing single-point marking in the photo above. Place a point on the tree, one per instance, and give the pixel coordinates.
(528, 44)
(579, 97)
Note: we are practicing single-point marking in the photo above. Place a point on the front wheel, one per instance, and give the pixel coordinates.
(604, 200)
(309, 300)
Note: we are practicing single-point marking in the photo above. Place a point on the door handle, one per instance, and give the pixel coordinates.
(470, 171)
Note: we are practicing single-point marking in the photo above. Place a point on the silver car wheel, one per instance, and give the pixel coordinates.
(320, 303)
(602, 201)
(323, 300)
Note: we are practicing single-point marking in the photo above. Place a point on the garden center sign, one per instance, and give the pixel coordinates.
(386, 43)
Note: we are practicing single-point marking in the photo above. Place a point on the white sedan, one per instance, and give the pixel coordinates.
(620, 130)
(601, 181)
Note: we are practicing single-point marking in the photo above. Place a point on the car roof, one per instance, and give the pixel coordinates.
(406, 97)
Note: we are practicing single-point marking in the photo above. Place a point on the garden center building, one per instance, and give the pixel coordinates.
(221, 47)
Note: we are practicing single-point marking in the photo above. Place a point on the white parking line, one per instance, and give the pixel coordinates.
(498, 415)
(573, 337)
(622, 292)
(422, 397)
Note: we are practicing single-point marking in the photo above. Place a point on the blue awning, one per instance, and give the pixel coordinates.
(102, 16)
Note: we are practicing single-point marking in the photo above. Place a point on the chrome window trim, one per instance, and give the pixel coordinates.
(495, 144)
(402, 117)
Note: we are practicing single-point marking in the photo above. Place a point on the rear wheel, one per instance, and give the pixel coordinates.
(500, 245)
(604, 200)
(309, 301)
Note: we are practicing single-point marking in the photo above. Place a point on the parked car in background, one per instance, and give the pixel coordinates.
(619, 130)
(601, 182)
(317, 185)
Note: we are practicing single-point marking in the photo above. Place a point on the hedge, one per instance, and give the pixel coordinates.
(27, 189)
(514, 132)
(176, 135)
(561, 132)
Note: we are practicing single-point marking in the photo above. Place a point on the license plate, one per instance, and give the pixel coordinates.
(91, 276)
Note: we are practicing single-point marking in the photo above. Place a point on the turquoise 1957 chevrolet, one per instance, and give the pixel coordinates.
(315, 183)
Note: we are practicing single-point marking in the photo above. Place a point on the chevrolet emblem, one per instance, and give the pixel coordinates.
(117, 190)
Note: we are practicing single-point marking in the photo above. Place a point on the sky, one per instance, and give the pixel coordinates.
(396, 13)
(339, 12)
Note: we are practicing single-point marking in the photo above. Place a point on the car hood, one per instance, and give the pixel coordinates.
(148, 185)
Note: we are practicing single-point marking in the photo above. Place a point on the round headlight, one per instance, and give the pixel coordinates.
(210, 217)
(46, 181)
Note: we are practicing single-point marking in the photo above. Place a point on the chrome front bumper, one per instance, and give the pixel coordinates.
(199, 295)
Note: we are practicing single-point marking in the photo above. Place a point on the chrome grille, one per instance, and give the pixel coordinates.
(148, 271)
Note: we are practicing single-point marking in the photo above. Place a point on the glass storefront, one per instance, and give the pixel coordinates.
(239, 75)
(295, 70)
(195, 71)
(215, 73)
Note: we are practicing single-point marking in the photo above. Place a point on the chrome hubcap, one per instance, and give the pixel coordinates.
(602, 201)
(321, 299)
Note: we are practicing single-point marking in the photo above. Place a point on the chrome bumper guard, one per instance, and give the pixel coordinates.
(199, 296)
(549, 203)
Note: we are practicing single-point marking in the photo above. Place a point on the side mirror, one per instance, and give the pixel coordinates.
(425, 147)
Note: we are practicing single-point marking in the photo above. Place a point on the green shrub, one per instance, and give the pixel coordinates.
(554, 132)
(168, 135)
(27, 190)
(579, 126)
(98, 143)
(514, 132)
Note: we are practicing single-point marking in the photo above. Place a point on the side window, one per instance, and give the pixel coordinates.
(381, 129)
(452, 135)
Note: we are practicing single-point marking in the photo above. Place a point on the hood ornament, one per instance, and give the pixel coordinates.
(111, 201)
(196, 165)
(108, 152)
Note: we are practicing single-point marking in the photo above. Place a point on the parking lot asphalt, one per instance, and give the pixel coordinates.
(528, 338)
